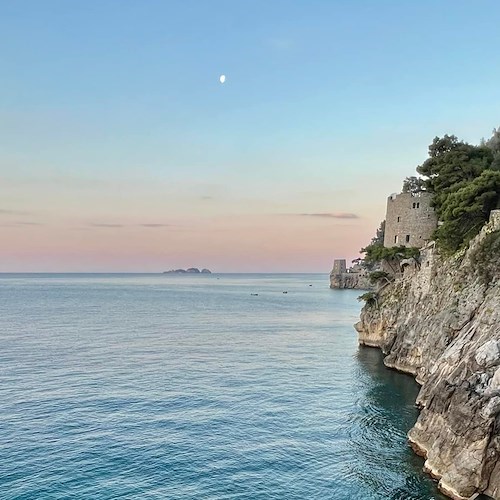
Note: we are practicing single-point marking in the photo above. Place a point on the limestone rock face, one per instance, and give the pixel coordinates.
(357, 281)
(442, 324)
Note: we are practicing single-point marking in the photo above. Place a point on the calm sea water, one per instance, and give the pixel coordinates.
(189, 387)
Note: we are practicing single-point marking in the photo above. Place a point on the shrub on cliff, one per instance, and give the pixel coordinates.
(486, 258)
(390, 258)
(376, 253)
(377, 276)
(370, 298)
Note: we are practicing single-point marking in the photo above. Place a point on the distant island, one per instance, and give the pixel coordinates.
(191, 270)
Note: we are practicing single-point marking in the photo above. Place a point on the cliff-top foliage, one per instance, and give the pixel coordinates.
(464, 180)
(413, 185)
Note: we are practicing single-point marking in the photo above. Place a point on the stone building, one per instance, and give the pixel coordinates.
(339, 266)
(354, 277)
(410, 220)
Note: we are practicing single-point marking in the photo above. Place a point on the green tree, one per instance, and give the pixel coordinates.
(442, 145)
(465, 210)
(494, 144)
(376, 253)
(413, 185)
(370, 298)
(378, 239)
(452, 165)
(463, 180)
(391, 256)
(494, 141)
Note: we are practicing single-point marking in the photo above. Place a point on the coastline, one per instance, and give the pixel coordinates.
(439, 324)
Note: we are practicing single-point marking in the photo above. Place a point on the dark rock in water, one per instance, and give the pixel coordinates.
(175, 271)
(206, 271)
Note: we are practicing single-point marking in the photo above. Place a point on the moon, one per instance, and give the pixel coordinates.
(222, 78)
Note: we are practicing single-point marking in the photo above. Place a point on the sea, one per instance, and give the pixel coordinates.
(221, 386)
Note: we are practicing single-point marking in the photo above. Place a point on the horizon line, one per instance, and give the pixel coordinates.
(162, 272)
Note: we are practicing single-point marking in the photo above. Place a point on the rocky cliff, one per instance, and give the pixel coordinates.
(441, 323)
(359, 281)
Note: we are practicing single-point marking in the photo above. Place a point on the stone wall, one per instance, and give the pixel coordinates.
(410, 220)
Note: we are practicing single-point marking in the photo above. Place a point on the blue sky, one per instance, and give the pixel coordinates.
(112, 111)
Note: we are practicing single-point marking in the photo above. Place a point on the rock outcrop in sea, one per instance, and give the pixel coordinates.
(191, 270)
(440, 322)
(356, 281)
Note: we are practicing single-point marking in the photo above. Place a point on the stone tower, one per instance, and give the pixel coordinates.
(339, 266)
(410, 220)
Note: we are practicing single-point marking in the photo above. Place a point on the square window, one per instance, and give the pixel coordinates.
(395, 239)
(407, 238)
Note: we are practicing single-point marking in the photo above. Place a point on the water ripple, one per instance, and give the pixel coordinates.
(160, 387)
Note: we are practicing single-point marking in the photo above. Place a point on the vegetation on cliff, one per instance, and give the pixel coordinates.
(379, 276)
(377, 252)
(441, 325)
(486, 257)
(464, 180)
(379, 235)
(369, 298)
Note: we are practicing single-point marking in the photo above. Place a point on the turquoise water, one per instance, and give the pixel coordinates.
(189, 387)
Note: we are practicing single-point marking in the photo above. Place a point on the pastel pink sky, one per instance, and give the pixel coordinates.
(145, 225)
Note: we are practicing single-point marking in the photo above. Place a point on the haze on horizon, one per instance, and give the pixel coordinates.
(121, 150)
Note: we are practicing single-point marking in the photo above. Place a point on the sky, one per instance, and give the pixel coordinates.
(120, 150)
